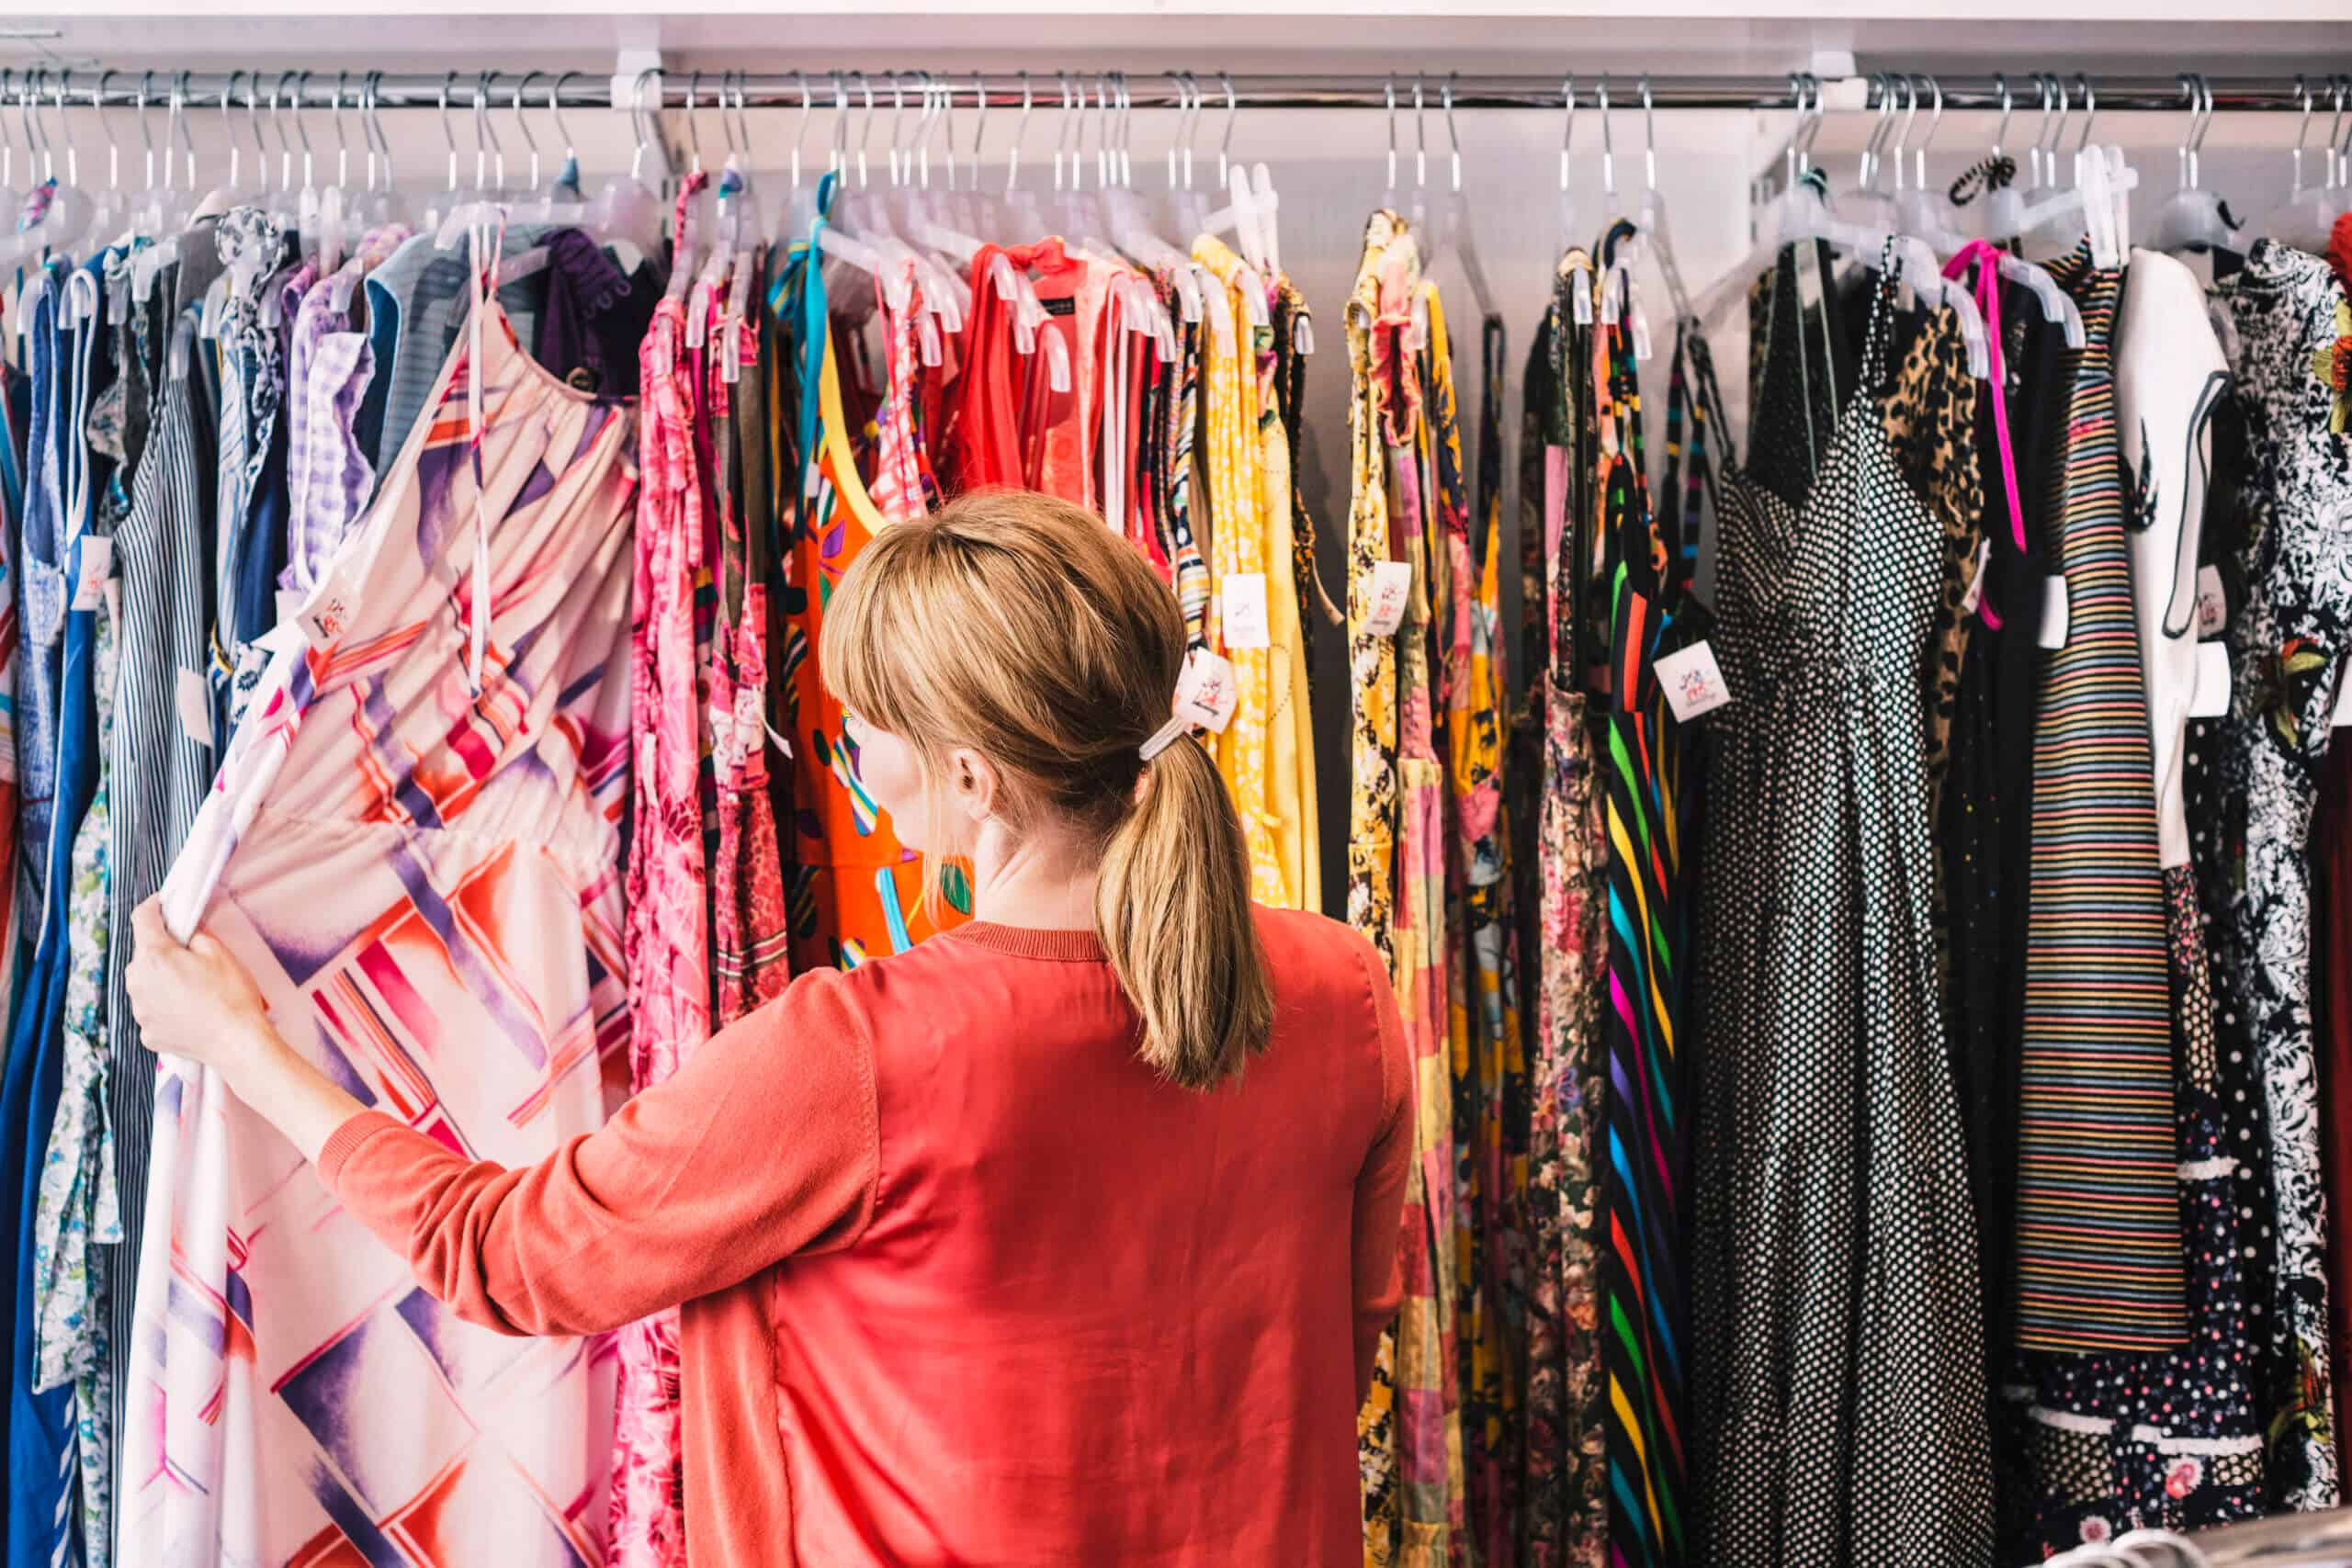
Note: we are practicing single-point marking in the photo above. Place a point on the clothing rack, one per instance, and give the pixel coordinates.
(830, 87)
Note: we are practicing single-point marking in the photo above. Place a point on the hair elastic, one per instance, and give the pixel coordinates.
(1165, 736)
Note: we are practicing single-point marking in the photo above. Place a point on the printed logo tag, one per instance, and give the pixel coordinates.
(1206, 692)
(2212, 601)
(1694, 683)
(93, 566)
(1241, 611)
(1388, 591)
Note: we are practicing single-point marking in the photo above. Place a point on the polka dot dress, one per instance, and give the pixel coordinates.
(1837, 1365)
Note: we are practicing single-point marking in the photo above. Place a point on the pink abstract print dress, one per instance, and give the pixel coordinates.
(422, 872)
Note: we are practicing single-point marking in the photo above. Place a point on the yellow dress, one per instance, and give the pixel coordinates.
(1238, 550)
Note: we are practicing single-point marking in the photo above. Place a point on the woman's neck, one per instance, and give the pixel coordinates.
(1045, 882)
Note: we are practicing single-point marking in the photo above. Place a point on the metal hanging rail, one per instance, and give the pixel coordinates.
(828, 88)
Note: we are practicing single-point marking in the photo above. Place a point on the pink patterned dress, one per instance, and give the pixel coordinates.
(417, 858)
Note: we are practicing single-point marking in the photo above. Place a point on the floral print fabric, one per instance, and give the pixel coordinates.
(2288, 650)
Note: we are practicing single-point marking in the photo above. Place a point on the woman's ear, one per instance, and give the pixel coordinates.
(973, 783)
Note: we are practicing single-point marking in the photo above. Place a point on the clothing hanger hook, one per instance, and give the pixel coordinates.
(979, 123)
(60, 88)
(640, 121)
(229, 130)
(182, 91)
(114, 151)
(801, 130)
(1567, 124)
(1392, 132)
(898, 117)
(694, 128)
(1452, 131)
(522, 85)
(1909, 87)
(2342, 157)
(1649, 136)
(2008, 106)
(146, 133)
(1019, 134)
(2090, 116)
(1232, 113)
(1421, 138)
(555, 112)
(486, 135)
(837, 159)
(342, 136)
(301, 96)
(866, 126)
(450, 80)
(1607, 145)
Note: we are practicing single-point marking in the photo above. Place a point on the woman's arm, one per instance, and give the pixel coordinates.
(763, 1145)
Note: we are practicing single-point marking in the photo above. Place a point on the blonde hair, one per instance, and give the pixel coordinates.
(1019, 626)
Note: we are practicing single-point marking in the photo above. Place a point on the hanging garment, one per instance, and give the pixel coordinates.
(2099, 1221)
(1297, 823)
(421, 872)
(1638, 1225)
(329, 365)
(857, 892)
(1566, 1481)
(159, 771)
(40, 587)
(2167, 1439)
(1490, 1076)
(1984, 837)
(1373, 789)
(1429, 1427)
(668, 924)
(2287, 648)
(39, 1515)
(1797, 345)
(750, 933)
(1836, 1372)
(77, 1221)
(1239, 556)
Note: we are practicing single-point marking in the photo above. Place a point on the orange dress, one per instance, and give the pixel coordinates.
(855, 890)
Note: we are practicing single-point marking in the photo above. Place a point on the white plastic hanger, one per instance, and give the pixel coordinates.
(625, 208)
(1580, 292)
(2191, 218)
(1866, 204)
(2099, 204)
(2301, 219)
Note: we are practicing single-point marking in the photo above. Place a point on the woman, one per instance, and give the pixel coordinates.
(990, 1251)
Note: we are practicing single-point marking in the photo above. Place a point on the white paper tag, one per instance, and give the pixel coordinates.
(1808, 277)
(2055, 611)
(193, 697)
(329, 616)
(2211, 697)
(1975, 594)
(92, 567)
(1388, 591)
(2212, 601)
(1580, 297)
(1242, 610)
(1641, 332)
(1207, 694)
(1694, 683)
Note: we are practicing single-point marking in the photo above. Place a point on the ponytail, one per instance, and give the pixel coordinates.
(1018, 625)
(1171, 905)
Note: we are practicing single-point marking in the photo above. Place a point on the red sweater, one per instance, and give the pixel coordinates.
(963, 1282)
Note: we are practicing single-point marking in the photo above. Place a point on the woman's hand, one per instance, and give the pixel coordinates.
(198, 1002)
(195, 1001)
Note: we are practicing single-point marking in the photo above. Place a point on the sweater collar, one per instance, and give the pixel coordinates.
(1031, 941)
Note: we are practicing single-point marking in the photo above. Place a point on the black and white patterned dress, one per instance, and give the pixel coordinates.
(1838, 1373)
(2287, 652)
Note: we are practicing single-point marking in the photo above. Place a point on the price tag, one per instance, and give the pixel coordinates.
(2211, 697)
(1207, 694)
(1808, 276)
(1242, 610)
(1975, 594)
(1388, 591)
(92, 567)
(2212, 601)
(1694, 683)
(193, 696)
(2053, 611)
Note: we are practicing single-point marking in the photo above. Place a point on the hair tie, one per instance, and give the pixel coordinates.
(1164, 737)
